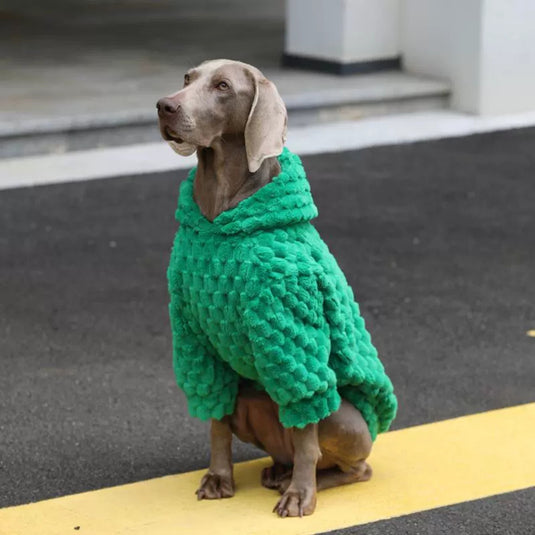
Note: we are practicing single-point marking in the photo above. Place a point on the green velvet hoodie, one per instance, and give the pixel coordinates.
(256, 294)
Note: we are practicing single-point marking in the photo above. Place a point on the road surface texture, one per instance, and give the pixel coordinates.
(436, 238)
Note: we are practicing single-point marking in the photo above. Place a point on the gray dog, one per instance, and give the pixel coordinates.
(235, 120)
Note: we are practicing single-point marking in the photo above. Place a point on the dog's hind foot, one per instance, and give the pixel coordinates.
(277, 476)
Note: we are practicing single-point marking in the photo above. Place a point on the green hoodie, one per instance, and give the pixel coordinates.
(256, 294)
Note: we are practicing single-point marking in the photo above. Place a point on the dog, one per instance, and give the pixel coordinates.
(268, 342)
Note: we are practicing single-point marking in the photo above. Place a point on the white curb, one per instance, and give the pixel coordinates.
(332, 137)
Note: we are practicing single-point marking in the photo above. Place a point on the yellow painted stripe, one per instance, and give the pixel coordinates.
(531, 333)
(415, 469)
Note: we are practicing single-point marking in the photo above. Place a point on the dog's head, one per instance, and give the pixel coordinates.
(222, 97)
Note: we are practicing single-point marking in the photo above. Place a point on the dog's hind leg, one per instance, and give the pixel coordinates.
(277, 476)
(345, 443)
(333, 477)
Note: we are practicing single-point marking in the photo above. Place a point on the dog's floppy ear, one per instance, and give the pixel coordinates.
(265, 131)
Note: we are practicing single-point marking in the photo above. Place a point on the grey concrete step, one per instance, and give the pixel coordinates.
(113, 120)
(78, 74)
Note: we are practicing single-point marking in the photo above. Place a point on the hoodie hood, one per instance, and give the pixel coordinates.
(286, 200)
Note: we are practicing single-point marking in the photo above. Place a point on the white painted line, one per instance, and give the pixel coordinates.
(90, 164)
(333, 137)
(396, 129)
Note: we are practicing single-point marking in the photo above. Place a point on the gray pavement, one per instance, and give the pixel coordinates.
(506, 514)
(436, 238)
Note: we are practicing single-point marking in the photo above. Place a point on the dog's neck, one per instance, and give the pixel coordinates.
(223, 179)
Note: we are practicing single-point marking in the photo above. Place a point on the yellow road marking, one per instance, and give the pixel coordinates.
(415, 469)
(531, 333)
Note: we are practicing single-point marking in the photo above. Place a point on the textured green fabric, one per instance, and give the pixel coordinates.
(257, 294)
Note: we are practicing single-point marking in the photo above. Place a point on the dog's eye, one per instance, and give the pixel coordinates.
(222, 86)
(186, 79)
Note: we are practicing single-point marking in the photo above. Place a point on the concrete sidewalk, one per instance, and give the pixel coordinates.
(79, 74)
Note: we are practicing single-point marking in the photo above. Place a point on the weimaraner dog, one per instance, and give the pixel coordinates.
(235, 120)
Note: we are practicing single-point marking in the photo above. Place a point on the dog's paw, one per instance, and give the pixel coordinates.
(214, 486)
(277, 476)
(296, 502)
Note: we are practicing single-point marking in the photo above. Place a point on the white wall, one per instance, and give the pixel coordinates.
(486, 48)
(443, 38)
(508, 60)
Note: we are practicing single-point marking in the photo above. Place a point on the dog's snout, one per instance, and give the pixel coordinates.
(166, 106)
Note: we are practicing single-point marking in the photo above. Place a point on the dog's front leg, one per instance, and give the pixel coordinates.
(218, 482)
(300, 497)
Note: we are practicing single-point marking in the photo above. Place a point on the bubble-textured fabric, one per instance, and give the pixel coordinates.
(256, 294)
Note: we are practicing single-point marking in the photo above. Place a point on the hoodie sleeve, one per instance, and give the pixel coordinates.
(290, 341)
(360, 374)
(210, 385)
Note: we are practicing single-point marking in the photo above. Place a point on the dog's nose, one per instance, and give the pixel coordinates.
(166, 106)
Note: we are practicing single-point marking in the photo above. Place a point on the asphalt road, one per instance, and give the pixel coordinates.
(436, 238)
